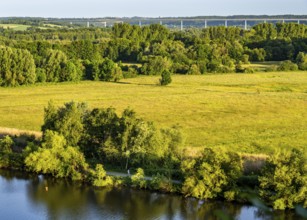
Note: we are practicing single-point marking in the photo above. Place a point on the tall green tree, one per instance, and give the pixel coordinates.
(283, 181)
(70, 72)
(156, 65)
(16, 67)
(109, 71)
(54, 64)
(212, 175)
(66, 120)
(101, 132)
(57, 158)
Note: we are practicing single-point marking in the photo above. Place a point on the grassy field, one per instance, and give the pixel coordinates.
(16, 27)
(250, 113)
(21, 27)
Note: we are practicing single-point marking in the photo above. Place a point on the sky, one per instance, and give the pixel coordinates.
(149, 8)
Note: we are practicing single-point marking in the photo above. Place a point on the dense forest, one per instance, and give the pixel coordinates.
(109, 54)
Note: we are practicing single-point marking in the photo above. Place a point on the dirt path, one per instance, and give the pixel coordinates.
(119, 174)
(13, 131)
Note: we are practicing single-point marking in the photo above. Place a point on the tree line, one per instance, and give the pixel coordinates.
(101, 54)
(78, 143)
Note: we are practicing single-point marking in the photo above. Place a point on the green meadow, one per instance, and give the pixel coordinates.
(250, 113)
(21, 27)
(16, 27)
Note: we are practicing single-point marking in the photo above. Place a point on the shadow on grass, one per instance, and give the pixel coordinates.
(139, 84)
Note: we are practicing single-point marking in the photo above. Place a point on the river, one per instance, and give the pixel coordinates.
(25, 196)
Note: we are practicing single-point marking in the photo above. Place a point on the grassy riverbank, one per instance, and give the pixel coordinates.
(253, 113)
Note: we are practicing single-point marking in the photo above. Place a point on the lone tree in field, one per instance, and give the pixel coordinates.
(165, 78)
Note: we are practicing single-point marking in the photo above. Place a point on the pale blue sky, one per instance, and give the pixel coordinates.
(149, 8)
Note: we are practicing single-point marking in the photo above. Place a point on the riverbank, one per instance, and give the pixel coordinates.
(23, 196)
(79, 142)
(216, 175)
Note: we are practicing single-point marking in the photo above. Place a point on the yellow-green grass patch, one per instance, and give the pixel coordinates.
(250, 113)
(16, 27)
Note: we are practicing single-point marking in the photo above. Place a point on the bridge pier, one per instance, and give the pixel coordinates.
(181, 25)
(226, 23)
(245, 25)
(206, 24)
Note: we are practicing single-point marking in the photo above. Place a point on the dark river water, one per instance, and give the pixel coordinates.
(24, 196)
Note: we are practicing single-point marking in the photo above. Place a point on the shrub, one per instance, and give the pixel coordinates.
(161, 183)
(109, 71)
(212, 174)
(165, 78)
(245, 59)
(6, 145)
(239, 68)
(272, 68)
(156, 65)
(56, 158)
(4, 160)
(284, 179)
(138, 179)
(131, 72)
(248, 70)
(230, 195)
(287, 66)
(194, 70)
(225, 69)
(100, 178)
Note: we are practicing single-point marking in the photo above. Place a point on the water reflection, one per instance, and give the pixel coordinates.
(66, 200)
